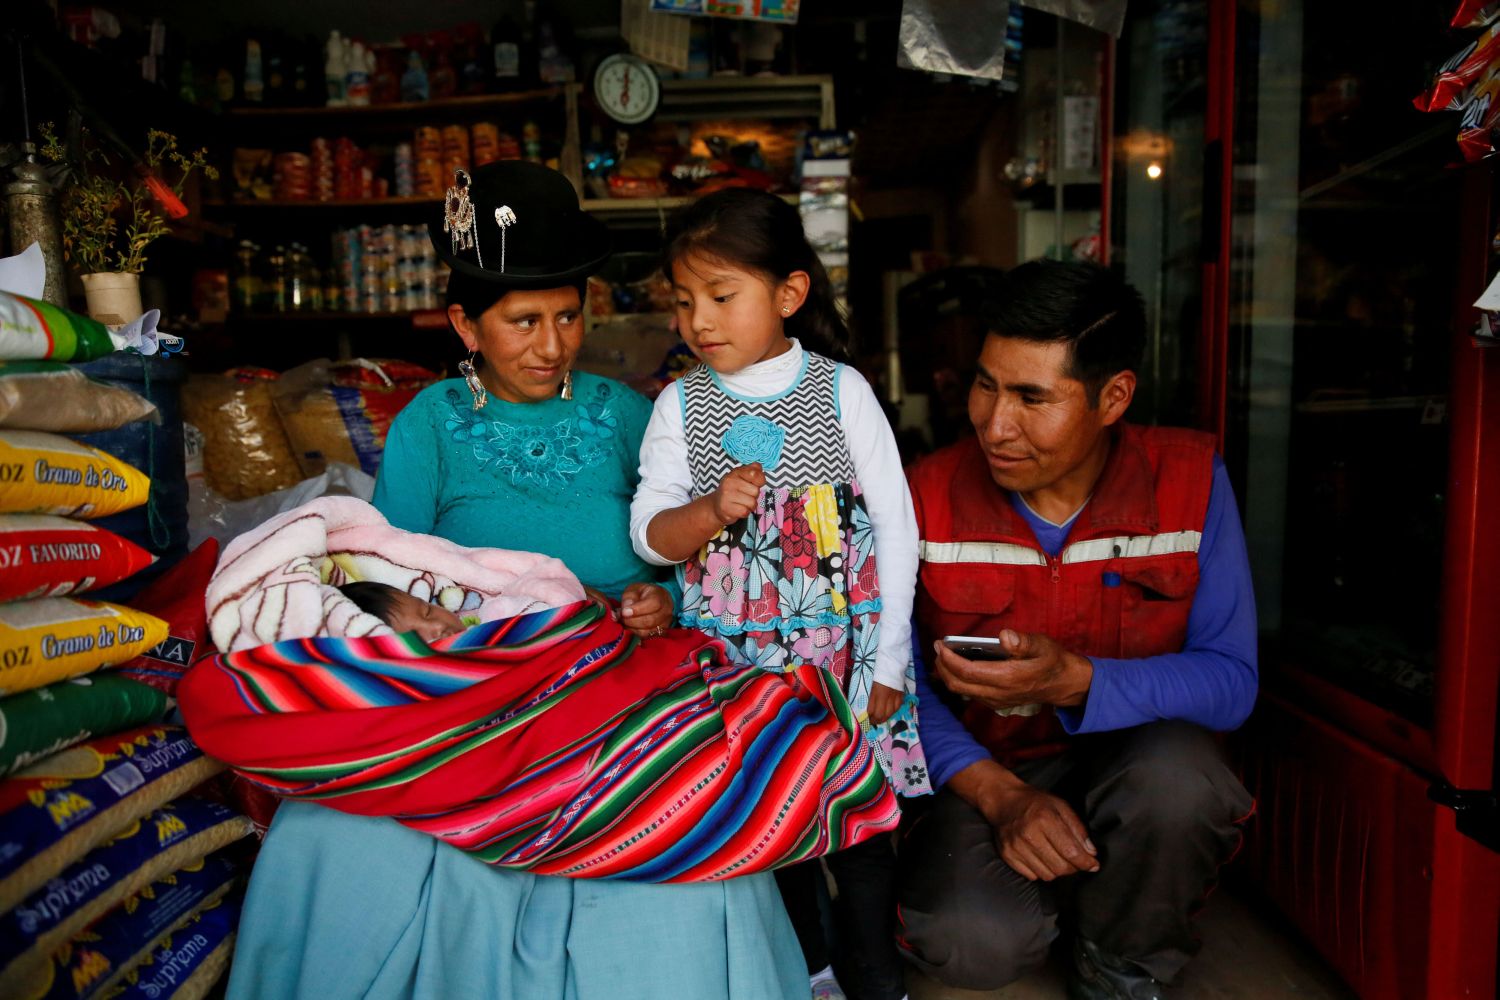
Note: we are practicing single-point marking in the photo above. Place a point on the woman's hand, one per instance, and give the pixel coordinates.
(884, 703)
(646, 609)
(735, 498)
(599, 598)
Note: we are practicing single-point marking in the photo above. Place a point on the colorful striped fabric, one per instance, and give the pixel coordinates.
(556, 743)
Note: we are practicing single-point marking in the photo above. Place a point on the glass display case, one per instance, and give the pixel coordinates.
(1309, 246)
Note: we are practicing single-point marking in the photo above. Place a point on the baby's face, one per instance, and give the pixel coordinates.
(430, 621)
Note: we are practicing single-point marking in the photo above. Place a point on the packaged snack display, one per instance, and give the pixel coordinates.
(70, 803)
(55, 638)
(170, 847)
(36, 724)
(245, 452)
(53, 396)
(342, 412)
(42, 555)
(1481, 118)
(47, 474)
(186, 964)
(33, 329)
(1450, 90)
(1476, 13)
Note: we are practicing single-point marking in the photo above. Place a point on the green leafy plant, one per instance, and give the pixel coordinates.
(108, 224)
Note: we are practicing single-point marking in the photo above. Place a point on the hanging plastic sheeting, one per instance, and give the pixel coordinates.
(954, 36)
(1105, 15)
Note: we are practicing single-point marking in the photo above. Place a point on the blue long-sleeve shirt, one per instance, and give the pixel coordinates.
(1212, 682)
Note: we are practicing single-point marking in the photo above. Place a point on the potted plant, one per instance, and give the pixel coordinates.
(108, 223)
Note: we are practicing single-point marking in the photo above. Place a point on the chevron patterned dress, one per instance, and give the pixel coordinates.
(796, 581)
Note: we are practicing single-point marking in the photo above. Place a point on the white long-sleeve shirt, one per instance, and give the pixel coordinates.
(667, 483)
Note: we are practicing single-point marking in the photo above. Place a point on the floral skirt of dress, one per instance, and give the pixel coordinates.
(796, 582)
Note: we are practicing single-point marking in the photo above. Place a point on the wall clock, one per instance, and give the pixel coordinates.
(627, 88)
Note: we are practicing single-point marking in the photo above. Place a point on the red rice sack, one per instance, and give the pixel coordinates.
(177, 598)
(43, 555)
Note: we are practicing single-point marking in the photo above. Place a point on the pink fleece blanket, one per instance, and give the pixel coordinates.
(278, 581)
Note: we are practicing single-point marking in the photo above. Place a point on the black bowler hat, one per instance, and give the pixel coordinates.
(528, 229)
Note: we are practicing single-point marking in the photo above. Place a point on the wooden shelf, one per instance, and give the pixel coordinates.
(665, 204)
(463, 105)
(241, 204)
(748, 97)
(422, 319)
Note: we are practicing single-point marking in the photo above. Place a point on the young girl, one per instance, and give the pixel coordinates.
(770, 475)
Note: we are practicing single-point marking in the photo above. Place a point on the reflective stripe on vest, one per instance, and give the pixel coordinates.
(1093, 550)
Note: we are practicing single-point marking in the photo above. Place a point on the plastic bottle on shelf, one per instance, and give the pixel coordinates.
(414, 80)
(334, 71)
(553, 39)
(357, 76)
(255, 87)
(296, 278)
(245, 290)
(505, 44)
(312, 282)
(531, 142)
(276, 293)
(473, 68)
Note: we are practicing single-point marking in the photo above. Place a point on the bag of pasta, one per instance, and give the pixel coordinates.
(245, 449)
(342, 412)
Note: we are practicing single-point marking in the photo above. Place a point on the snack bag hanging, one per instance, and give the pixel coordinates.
(47, 474)
(1453, 87)
(1476, 13)
(33, 329)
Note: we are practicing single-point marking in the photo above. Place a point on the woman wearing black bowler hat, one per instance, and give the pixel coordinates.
(524, 453)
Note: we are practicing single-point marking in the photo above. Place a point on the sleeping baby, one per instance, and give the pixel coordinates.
(403, 612)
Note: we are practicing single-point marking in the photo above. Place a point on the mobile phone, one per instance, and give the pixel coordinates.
(973, 647)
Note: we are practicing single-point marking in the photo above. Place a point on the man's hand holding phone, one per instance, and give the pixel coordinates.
(1014, 672)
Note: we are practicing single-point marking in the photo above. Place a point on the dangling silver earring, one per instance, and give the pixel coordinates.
(567, 385)
(476, 387)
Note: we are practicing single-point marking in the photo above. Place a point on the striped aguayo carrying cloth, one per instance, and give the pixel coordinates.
(556, 743)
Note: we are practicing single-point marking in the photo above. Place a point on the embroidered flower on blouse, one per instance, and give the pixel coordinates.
(544, 456)
(754, 439)
(596, 420)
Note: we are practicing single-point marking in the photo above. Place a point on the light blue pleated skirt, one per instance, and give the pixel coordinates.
(343, 906)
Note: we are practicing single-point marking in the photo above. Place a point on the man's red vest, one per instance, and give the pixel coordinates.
(1121, 587)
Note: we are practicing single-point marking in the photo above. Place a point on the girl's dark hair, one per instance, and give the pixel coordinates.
(761, 232)
(376, 599)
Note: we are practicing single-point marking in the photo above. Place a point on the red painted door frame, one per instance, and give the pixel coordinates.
(1218, 214)
(1464, 926)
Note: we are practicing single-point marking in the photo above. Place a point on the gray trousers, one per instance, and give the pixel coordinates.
(1164, 811)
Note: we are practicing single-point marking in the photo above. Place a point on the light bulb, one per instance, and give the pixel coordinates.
(1153, 170)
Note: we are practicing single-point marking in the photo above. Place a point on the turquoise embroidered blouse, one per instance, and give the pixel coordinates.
(554, 477)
